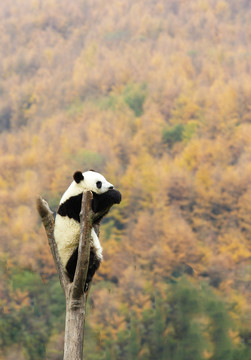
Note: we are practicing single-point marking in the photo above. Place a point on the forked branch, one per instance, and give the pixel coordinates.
(48, 221)
(75, 289)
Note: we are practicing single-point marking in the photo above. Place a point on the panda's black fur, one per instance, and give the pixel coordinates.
(71, 208)
(100, 203)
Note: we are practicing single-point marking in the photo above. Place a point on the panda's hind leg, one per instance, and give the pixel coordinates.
(94, 263)
(71, 264)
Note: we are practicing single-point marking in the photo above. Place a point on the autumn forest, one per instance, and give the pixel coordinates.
(155, 95)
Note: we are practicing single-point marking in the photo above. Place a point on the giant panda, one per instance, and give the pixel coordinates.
(67, 221)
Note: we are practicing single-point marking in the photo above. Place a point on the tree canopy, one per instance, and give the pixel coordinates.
(156, 96)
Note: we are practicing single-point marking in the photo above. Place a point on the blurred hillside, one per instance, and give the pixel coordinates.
(155, 95)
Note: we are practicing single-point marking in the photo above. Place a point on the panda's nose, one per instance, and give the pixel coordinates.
(111, 187)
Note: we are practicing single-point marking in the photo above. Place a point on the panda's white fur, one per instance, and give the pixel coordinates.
(67, 230)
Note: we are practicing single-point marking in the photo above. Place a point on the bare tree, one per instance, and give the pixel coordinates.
(75, 296)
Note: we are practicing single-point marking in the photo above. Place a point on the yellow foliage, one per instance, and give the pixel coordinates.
(64, 97)
(203, 178)
(21, 299)
(235, 336)
(207, 354)
(222, 7)
(191, 155)
(21, 221)
(235, 246)
(3, 183)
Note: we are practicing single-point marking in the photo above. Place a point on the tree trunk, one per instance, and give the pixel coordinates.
(75, 296)
(74, 328)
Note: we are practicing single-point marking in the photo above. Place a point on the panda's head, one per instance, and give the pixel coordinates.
(92, 180)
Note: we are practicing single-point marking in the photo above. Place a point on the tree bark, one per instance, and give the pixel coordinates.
(75, 296)
(74, 327)
(48, 221)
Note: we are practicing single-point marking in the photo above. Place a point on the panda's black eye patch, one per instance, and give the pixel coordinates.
(99, 184)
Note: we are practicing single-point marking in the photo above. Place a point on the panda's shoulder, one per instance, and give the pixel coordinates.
(71, 207)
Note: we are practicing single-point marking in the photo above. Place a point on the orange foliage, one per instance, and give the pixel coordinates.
(96, 85)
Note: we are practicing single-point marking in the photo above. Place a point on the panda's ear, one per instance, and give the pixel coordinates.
(78, 176)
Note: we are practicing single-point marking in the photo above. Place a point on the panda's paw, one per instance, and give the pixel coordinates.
(97, 246)
(99, 253)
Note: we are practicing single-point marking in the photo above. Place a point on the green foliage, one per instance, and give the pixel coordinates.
(116, 36)
(133, 347)
(75, 109)
(186, 340)
(88, 159)
(10, 329)
(25, 280)
(220, 324)
(178, 133)
(32, 324)
(184, 324)
(189, 130)
(134, 96)
(107, 228)
(113, 101)
(173, 134)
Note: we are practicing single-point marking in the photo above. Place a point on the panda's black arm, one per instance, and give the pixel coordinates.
(102, 203)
